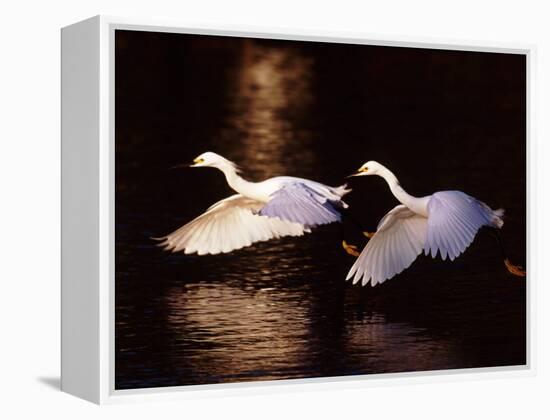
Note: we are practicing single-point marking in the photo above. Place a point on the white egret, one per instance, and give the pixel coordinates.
(444, 222)
(276, 207)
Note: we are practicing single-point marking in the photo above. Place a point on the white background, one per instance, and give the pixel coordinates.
(29, 206)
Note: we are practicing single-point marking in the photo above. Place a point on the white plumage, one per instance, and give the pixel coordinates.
(445, 222)
(229, 224)
(398, 240)
(277, 207)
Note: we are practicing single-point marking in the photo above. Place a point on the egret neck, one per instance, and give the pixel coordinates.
(239, 184)
(416, 204)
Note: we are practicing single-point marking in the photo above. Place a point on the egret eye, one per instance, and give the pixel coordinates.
(198, 160)
(363, 169)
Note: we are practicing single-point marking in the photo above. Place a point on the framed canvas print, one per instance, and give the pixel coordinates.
(245, 208)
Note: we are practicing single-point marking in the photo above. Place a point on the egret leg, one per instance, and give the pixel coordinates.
(516, 270)
(349, 248)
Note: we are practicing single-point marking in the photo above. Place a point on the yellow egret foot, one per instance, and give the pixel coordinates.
(516, 270)
(350, 249)
(369, 234)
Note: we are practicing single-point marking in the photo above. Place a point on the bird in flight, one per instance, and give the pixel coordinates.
(260, 211)
(445, 222)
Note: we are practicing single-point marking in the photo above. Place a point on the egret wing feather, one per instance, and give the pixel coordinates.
(299, 203)
(454, 219)
(229, 224)
(399, 239)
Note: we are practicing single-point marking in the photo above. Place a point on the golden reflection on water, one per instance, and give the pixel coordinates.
(238, 333)
(388, 346)
(269, 89)
(225, 331)
(245, 318)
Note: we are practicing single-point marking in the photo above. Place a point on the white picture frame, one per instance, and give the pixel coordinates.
(88, 211)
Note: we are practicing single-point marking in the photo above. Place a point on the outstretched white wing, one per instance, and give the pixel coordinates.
(399, 238)
(230, 224)
(299, 203)
(453, 221)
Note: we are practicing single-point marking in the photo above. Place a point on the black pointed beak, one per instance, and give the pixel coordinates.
(180, 166)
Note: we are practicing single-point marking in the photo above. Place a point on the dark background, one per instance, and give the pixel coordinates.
(281, 309)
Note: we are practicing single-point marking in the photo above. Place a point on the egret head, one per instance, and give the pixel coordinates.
(208, 159)
(370, 168)
(211, 159)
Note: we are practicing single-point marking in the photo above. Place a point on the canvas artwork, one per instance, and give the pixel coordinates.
(296, 209)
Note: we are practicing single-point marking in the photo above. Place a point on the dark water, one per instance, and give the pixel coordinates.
(281, 309)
